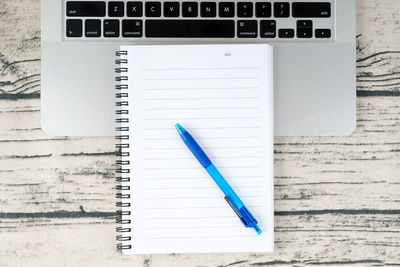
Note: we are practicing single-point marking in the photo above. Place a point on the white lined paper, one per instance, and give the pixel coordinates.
(223, 95)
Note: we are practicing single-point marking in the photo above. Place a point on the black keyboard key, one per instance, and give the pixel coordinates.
(304, 24)
(132, 28)
(208, 9)
(134, 9)
(111, 28)
(286, 33)
(92, 28)
(311, 10)
(153, 9)
(281, 10)
(247, 29)
(115, 9)
(190, 28)
(74, 28)
(267, 28)
(263, 10)
(86, 9)
(323, 33)
(171, 9)
(304, 33)
(190, 9)
(226, 9)
(245, 9)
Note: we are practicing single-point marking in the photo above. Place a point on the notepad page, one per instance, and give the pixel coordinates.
(222, 94)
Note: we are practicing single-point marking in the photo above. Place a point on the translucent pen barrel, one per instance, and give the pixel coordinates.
(224, 186)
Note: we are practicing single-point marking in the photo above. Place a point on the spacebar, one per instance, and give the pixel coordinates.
(190, 28)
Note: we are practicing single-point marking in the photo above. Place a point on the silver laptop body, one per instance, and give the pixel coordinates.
(314, 57)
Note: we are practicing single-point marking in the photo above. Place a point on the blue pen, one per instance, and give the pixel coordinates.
(230, 196)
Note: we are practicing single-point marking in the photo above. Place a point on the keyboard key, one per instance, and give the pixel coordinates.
(304, 33)
(286, 33)
(171, 9)
(208, 9)
(267, 28)
(247, 28)
(86, 9)
(263, 10)
(132, 28)
(134, 9)
(92, 28)
(190, 9)
(245, 9)
(311, 10)
(115, 9)
(111, 28)
(226, 9)
(323, 33)
(281, 10)
(153, 9)
(301, 24)
(190, 28)
(74, 28)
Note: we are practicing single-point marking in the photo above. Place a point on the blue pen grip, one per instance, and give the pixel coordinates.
(196, 149)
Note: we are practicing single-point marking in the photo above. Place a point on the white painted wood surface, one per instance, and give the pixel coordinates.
(337, 199)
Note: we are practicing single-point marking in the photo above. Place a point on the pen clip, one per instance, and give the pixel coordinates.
(236, 211)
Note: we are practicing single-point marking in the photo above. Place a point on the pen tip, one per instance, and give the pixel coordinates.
(179, 128)
(258, 230)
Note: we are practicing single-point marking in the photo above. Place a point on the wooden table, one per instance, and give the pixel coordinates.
(337, 199)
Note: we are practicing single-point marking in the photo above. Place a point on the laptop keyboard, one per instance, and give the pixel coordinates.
(160, 20)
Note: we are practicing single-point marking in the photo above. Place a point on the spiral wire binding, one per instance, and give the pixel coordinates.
(122, 163)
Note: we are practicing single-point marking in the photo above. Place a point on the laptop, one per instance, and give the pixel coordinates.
(314, 56)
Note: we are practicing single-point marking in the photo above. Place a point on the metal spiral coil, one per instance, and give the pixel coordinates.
(123, 164)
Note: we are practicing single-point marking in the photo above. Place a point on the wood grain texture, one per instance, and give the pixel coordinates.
(337, 199)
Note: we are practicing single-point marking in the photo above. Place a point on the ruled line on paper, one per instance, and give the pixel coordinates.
(203, 108)
(200, 168)
(203, 177)
(211, 158)
(201, 98)
(194, 187)
(202, 118)
(196, 237)
(204, 128)
(200, 88)
(195, 198)
(203, 138)
(200, 78)
(198, 227)
(201, 68)
(205, 147)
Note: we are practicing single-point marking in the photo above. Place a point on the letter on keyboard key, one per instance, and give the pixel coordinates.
(190, 28)
(268, 29)
(247, 28)
(311, 10)
(116, 9)
(92, 28)
(132, 28)
(74, 28)
(208, 9)
(153, 9)
(86, 9)
(190, 9)
(171, 9)
(226, 9)
(134, 9)
(111, 28)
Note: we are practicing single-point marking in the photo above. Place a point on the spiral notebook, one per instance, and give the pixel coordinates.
(223, 94)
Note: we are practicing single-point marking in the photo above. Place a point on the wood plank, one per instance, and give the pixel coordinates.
(325, 239)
